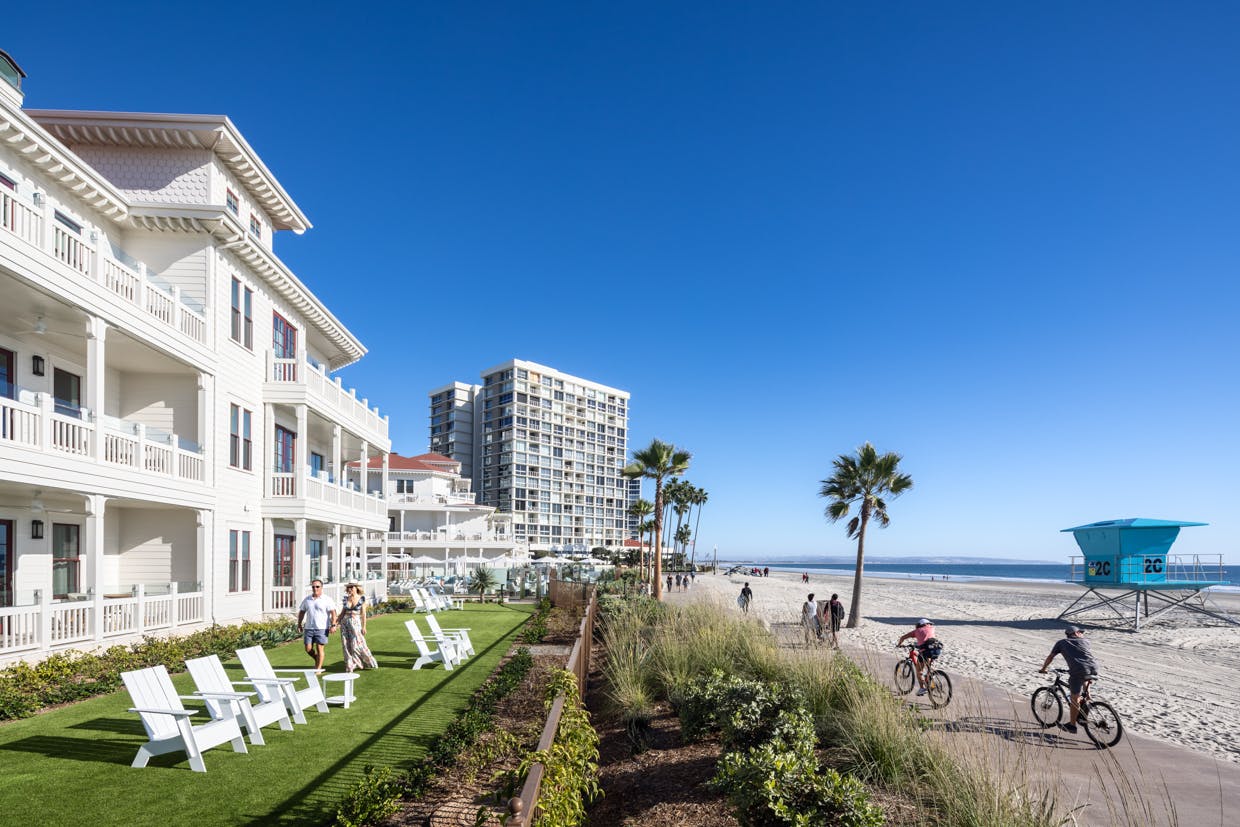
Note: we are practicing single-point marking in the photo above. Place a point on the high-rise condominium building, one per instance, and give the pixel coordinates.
(544, 446)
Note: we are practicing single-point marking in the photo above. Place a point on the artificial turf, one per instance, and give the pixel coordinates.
(71, 765)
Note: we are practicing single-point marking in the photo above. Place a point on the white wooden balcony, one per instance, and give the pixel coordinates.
(36, 425)
(46, 625)
(318, 498)
(300, 381)
(91, 259)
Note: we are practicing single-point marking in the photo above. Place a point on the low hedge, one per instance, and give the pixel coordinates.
(27, 688)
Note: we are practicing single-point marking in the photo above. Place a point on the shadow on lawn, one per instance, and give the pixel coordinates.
(96, 750)
(390, 746)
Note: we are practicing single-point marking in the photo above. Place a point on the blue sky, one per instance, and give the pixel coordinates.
(1001, 242)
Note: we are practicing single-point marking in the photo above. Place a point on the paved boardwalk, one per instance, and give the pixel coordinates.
(1141, 781)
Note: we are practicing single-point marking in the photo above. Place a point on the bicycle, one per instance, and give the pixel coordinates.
(938, 684)
(1102, 723)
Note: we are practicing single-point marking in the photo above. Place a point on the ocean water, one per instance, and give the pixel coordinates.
(1042, 572)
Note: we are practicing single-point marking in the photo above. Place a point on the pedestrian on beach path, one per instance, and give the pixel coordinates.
(809, 619)
(834, 615)
(746, 598)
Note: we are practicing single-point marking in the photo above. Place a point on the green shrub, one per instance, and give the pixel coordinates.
(779, 782)
(372, 799)
(745, 710)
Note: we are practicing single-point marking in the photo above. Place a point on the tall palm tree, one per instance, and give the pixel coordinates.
(699, 499)
(641, 509)
(864, 479)
(658, 461)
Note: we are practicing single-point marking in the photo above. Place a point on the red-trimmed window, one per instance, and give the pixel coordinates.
(284, 337)
(282, 561)
(242, 329)
(240, 444)
(66, 559)
(230, 201)
(285, 450)
(256, 226)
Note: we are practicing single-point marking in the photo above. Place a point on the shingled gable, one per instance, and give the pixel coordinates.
(423, 462)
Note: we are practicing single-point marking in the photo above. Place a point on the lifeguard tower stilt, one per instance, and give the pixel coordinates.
(1126, 565)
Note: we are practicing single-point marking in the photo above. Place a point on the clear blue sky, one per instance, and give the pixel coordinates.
(1002, 242)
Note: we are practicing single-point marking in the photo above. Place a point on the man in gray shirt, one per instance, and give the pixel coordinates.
(1081, 666)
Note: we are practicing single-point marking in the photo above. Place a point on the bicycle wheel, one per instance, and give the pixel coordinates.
(1102, 724)
(1047, 708)
(905, 679)
(939, 689)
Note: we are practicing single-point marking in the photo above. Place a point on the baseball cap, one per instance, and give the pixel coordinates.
(1072, 629)
(923, 622)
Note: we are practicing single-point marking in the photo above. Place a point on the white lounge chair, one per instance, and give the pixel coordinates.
(167, 721)
(445, 652)
(218, 692)
(458, 635)
(270, 685)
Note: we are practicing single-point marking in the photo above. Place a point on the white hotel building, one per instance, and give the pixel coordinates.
(546, 448)
(171, 438)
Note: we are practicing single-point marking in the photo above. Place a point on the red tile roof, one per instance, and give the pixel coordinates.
(422, 462)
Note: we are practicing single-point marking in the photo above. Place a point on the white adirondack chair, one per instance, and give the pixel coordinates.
(270, 685)
(419, 601)
(430, 600)
(217, 691)
(167, 721)
(458, 635)
(447, 601)
(445, 652)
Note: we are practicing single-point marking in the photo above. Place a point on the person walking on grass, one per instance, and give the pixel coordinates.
(315, 619)
(353, 629)
(833, 614)
(1082, 667)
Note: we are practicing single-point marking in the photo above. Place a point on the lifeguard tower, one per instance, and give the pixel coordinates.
(1125, 564)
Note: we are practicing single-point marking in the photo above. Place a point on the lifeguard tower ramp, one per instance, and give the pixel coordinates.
(1125, 566)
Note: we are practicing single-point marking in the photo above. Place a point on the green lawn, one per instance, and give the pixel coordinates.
(71, 766)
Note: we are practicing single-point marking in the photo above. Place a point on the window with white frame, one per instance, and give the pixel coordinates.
(240, 442)
(238, 561)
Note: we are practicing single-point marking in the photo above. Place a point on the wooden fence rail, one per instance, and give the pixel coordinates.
(524, 807)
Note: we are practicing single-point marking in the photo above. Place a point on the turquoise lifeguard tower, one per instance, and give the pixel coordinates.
(1128, 559)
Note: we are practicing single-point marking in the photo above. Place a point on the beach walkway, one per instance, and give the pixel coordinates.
(1141, 781)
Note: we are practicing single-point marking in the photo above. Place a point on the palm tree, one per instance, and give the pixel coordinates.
(641, 509)
(481, 580)
(699, 499)
(658, 461)
(865, 479)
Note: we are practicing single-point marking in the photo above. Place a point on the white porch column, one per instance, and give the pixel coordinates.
(383, 485)
(267, 566)
(96, 345)
(266, 452)
(337, 470)
(203, 570)
(206, 423)
(338, 538)
(301, 452)
(301, 560)
(363, 477)
(93, 552)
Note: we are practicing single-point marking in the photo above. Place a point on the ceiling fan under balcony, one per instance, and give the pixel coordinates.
(40, 325)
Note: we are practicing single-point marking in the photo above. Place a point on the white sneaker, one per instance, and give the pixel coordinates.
(921, 691)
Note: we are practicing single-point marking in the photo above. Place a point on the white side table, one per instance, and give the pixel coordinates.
(345, 678)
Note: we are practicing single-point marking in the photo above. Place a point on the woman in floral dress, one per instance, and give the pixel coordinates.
(353, 629)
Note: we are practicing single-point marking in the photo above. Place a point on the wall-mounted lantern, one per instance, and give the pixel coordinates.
(36, 529)
(37, 365)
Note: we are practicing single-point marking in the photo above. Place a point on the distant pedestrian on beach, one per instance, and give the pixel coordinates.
(834, 615)
(805, 577)
(809, 620)
(669, 582)
(746, 598)
(766, 571)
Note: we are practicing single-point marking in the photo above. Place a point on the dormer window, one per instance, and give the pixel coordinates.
(230, 201)
(10, 71)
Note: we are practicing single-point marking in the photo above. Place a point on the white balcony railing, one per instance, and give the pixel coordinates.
(448, 537)
(317, 489)
(41, 427)
(46, 625)
(89, 260)
(327, 392)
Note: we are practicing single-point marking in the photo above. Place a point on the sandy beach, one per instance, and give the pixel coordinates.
(1178, 680)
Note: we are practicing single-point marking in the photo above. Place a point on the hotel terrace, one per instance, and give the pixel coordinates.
(435, 526)
(172, 442)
